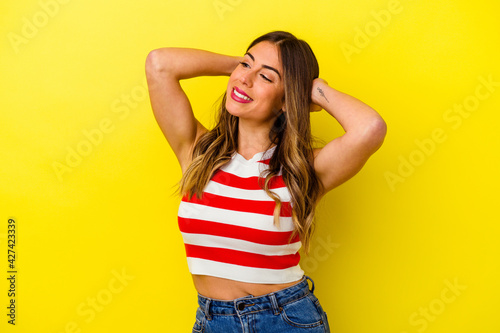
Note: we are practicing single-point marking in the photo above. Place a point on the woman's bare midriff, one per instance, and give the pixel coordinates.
(227, 290)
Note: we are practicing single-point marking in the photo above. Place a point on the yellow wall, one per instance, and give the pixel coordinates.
(409, 245)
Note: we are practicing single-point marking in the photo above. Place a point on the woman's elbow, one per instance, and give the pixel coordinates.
(375, 133)
(157, 61)
(378, 131)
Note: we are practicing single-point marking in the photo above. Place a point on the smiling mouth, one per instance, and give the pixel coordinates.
(241, 95)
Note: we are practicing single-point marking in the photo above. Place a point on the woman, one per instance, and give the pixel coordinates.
(250, 185)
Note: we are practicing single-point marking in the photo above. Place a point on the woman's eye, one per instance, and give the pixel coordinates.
(266, 78)
(244, 64)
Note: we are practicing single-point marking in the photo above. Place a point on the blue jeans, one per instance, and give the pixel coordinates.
(292, 310)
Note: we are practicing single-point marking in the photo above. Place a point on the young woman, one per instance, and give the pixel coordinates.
(250, 185)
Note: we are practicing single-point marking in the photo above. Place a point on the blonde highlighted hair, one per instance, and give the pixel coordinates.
(291, 134)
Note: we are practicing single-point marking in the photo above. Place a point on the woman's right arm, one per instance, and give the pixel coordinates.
(165, 67)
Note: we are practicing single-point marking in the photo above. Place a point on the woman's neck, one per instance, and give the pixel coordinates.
(253, 139)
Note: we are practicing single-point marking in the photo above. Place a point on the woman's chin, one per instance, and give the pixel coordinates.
(231, 109)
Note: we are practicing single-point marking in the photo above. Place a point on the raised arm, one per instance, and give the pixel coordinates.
(364, 133)
(165, 67)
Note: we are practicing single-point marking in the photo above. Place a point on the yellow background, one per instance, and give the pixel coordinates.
(422, 214)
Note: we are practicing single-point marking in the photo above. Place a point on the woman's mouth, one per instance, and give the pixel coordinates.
(239, 96)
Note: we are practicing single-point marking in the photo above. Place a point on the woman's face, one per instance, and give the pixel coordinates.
(255, 88)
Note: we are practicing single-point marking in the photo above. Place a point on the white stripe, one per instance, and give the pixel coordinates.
(243, 273)
(238, 193)
(242, 170)
(240, 245)
(243, 219)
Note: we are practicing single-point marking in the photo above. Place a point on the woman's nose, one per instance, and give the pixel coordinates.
(246, 78)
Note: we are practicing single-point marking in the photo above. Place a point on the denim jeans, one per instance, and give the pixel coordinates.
(292, 310)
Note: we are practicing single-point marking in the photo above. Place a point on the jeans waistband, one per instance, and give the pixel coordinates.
(250, 303)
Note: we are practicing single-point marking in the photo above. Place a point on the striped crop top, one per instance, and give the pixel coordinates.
(230, 232)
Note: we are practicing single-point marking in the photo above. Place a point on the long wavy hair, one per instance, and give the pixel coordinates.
(291, 133)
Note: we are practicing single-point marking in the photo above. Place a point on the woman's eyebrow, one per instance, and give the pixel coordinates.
(265, 66)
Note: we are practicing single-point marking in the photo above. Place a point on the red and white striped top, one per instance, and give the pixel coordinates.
(230, 232)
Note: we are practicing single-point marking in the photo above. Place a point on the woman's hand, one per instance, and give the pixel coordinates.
(317, 95)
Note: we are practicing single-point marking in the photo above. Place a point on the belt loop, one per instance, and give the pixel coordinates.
(207, 308)
(274, 303)
(312, 282)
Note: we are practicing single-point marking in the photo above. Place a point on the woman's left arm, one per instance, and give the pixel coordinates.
(364, 133)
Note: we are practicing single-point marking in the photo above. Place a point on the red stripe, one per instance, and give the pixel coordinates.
(242, 258)
(249, 183)
(240, 205)
(193, 226)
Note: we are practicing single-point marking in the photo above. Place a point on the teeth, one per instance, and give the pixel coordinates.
(241, 96)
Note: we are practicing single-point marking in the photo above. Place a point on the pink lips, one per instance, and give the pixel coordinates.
(239, 99)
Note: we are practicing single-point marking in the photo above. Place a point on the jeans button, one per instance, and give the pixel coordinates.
(241, 306)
